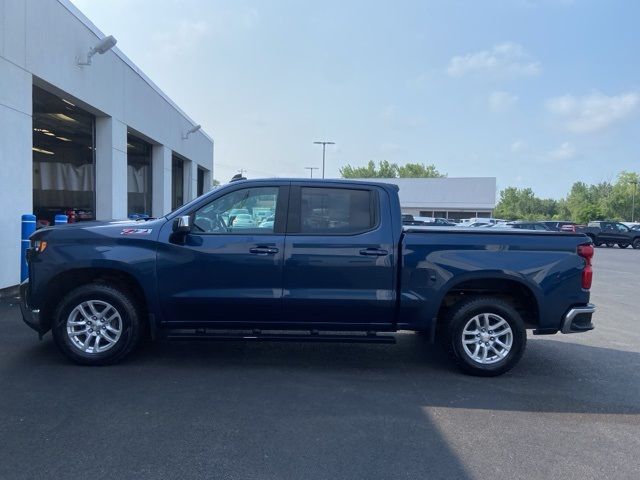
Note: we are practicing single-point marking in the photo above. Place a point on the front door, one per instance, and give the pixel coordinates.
(228, 269)
(339, 260)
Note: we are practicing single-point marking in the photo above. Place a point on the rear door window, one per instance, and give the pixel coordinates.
(336, 211)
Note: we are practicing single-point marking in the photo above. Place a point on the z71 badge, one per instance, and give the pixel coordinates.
(136, 231)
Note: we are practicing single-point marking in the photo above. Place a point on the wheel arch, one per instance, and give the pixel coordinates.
(68, 280)
(515, 290)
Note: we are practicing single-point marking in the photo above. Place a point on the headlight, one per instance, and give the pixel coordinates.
(38, 246)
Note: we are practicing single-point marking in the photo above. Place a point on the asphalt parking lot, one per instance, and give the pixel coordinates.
(571, 409)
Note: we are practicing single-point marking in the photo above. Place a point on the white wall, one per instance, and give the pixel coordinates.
(39, 43)
(15, 165)
(446, 194)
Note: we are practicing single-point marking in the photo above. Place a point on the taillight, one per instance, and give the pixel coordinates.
(586, 251)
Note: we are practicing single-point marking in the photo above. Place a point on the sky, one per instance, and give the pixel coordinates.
(538, 93)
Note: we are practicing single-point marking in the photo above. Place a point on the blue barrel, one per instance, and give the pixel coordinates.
(28, 227)
(60, 219)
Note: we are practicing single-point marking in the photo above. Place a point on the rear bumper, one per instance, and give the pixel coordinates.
(30, 316)
(578, 319)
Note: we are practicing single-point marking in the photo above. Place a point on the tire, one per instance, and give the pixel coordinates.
(636, 243)
(610, 244)
(115, 336)
(466, 315)
(623, 245)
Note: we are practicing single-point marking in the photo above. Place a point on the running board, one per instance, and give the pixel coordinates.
(259, 336)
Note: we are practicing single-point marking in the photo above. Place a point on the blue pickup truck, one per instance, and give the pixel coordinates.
(318, 260)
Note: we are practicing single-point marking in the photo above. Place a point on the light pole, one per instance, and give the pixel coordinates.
(324, 145)
(633, 201)
(311, 169)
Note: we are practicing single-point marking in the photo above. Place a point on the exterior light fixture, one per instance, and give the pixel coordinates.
(42, 150)
(190, 131)
(103, 46)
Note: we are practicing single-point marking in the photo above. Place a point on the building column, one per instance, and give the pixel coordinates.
(190, 180)
(16, 165)
(207, 181)
(111, 169)
(161, 171)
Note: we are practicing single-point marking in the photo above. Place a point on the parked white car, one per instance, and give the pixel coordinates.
(243, 220)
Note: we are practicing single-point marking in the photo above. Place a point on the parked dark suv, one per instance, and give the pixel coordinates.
(611, 233)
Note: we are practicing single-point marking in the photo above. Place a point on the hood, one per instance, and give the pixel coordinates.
(124, 228)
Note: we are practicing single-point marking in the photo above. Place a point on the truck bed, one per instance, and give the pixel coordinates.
(438, 260)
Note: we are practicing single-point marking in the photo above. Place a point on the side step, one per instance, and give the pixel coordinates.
(259, 336)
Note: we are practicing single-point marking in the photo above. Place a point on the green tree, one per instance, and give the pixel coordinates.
(419, 170)
(583, 203)
(600, 201)
(522, 204)
(620, 202)
(391, 170)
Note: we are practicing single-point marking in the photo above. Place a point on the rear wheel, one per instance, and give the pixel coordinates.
(623, 245)
(485, 336)
(610, 244)
(96, 324)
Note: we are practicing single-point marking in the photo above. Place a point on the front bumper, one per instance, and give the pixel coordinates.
(30, 316)
(578, 319)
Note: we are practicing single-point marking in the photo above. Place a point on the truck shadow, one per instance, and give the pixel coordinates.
(553, 376)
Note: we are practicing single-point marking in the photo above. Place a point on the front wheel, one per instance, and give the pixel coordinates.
(96, 324)
(485, 336)
(636, 243)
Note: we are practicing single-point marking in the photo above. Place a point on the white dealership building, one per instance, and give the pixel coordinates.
(82, 130)
(450, 197)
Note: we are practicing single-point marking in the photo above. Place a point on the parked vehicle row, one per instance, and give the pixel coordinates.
(602, 233)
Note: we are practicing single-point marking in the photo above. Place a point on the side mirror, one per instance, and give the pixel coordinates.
(182, 224)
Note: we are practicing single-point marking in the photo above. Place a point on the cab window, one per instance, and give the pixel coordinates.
(249, 210)
(331, 211)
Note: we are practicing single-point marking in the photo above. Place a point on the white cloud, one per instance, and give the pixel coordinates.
(517, 146)
(395, 117)
(505, 59)
(390, 148)
(249, 17)
(502, 101)
(183, 38)
(565, 151)
(593, 112)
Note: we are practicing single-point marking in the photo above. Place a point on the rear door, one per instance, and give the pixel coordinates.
(339, 257)
(608, 232)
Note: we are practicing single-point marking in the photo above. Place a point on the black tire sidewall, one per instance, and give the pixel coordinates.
(636, 243)
(120, 301)
(465, 312)
(623, 245)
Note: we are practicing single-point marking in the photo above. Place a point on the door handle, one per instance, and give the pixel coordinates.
(264, 250)
(374, 252)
